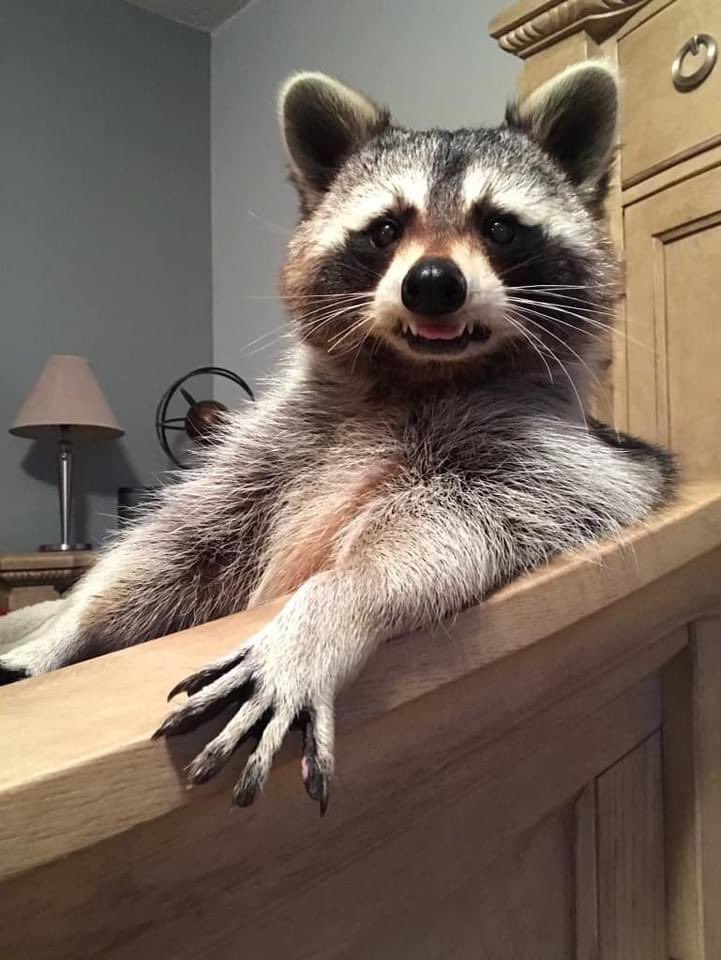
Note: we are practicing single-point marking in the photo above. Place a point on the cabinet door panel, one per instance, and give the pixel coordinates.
(519, 906)
(673, 258)
(692, 793)
(631, 890)
(694, 362)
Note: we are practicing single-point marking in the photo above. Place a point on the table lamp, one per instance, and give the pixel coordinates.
(65, 404)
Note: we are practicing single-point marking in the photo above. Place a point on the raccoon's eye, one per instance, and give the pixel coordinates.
(384, 233)
(502, 230)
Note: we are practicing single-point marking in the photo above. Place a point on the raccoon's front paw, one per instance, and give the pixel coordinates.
(20, 664)
(273, 686)
(10, 674)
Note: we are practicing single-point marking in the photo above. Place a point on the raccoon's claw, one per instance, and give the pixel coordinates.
(196, 681)
(266, 708)
(315, 777)
(198, 710)
(316, 786)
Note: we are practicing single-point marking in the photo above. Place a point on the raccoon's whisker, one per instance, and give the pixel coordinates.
(307, 296)
(354, 327)
(319, 314)
(316, 317)
(345, 295)
(592, 374)
(285, 333)
(362, 271)
(574, 303)
(526, 334)
(528, 318)
(363, 341)
(540, 306)
(561, 286)
(521, 263)
(600, 334)
(272, 335)
(356, 351)
(558, 290)
(323, 298)
(560, 308)
(548, 297)
(244, 353)
(273, 227)
(319, 317)
(315, 322)
(568, 376)
(280, 329)
(320, 322)
(276, 334)
(319, 326)
(536, 342)
(330, 304)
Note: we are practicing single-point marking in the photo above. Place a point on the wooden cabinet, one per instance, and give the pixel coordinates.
(651, 847)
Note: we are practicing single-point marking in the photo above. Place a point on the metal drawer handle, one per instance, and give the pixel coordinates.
(699, 41)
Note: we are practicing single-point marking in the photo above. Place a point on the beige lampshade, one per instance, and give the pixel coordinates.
(66, 396)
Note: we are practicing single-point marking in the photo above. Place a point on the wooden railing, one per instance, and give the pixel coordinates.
(495, 721)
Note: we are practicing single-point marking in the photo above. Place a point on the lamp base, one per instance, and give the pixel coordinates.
(64, 547)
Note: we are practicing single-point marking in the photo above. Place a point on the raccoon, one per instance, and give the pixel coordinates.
(428, 439)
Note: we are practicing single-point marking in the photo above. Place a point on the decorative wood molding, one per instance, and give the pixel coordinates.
(79, 560)
(31, 569)
(529, 27)
(27, 578)
(31, 578)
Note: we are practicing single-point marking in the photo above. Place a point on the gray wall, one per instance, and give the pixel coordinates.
(104, 235)
(432, 63)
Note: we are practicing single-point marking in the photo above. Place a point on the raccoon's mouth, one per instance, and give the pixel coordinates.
(439, 338)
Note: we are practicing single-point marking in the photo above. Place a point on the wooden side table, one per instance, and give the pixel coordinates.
(27, 578)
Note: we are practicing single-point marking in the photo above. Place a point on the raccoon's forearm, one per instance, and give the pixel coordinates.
(444, 547)
(423, 571)
(427, 562)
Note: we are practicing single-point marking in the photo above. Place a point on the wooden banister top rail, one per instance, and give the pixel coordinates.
(78, 764)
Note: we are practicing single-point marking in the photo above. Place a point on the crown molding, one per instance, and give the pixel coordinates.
(529, 26)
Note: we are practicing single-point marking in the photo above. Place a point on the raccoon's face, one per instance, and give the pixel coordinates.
(439, 249)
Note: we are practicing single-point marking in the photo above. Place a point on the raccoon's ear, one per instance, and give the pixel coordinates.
(573, 116)
(323, 122)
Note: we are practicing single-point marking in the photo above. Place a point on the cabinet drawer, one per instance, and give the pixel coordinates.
(660, 124)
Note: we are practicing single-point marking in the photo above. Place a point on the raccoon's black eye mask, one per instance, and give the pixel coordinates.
(520, 250)
(374, 246)
(503, 231)
(384, 234)
(504, 237)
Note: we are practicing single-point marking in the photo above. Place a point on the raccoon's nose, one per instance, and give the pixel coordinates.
(432, 286)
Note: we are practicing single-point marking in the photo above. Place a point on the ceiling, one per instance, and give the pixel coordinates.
(201, 14)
